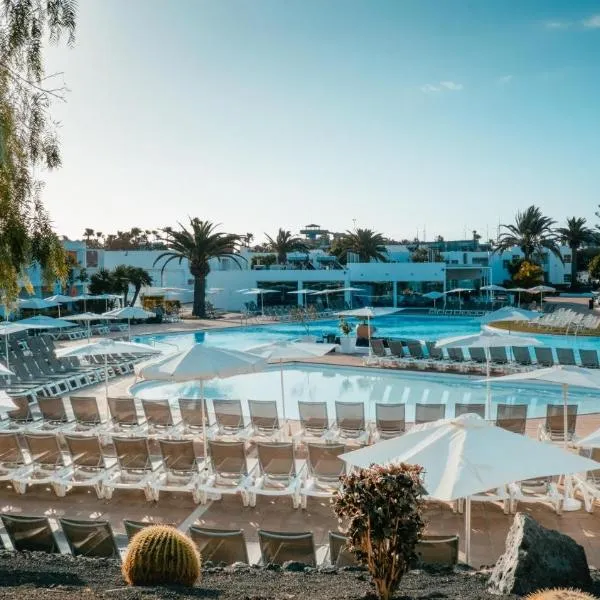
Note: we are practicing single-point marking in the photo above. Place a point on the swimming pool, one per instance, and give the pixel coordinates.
(422, 327)
(355, 384)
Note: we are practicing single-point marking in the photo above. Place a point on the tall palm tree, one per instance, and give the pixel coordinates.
(138, 277)
(198, 245)
(283, 243)
(368, 244)
(532, 232)
(575, 235)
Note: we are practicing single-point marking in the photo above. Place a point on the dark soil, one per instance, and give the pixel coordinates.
(39, 576)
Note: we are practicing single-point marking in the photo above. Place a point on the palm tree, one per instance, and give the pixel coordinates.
(283, 243)
(532, 232)
(198, 245)
(368, 244)
(88, 233)
(120, 276)
(575, 235)
(138, 277)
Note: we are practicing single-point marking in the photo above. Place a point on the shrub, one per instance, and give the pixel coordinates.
(383, 510)
(161, 555)
(345, 327)
(560, 594)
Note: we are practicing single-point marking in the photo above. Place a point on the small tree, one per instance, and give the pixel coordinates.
(529, 275)
(594, 268)
(383, 509)
(420, 255)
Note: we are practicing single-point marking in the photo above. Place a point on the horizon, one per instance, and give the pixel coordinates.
(397, 117)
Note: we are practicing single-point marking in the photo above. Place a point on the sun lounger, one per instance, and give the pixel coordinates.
(462, 408)
(427, 413)
(314, 421)
(264, 420)
(229, 471)
(390, 420)
(220, 546)
(94, 539)
(134, 527)
(47, 462)
(512, 417)
(565, 356)
(159, 418)
(87, 415)
(350, 422)
(543, 356)
(12, 459)
(396, 350)
(229, 420)
(88, 466)
(378, 354)
(30, 534)
(588, 484)
(553, 429)
(539, 490)
(18, 419)
(278, 475)
(54, 416)
(478, 355)
(124, 417)
(522, 356)
(589, 359)
(498, 355)
(134, 471)
(438, 550)
(191, 417)
(278, 547)
(180, 469)
(339, 554)
(324, 471)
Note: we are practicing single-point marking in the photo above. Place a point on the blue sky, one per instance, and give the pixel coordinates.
(394, 115)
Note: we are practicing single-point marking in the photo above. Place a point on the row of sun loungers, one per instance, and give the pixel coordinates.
(38, 372)
(455, 312)
(412, 353)
(567, 318)
(95, 539)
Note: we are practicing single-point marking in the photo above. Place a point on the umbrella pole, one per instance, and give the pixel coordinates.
(7, 358)
(468, 530)
(569, 503)
(106, 377)
(58, 306)
(369, 332)
(129, 329)
(488, 394)
(205, 441)
(285, 428)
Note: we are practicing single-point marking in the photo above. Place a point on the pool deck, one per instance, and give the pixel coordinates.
(489, 523)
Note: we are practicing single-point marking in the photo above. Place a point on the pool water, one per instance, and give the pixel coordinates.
(354, 384)
(421, 327)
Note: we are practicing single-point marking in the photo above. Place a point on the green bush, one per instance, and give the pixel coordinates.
(161, 555)
(382, 508)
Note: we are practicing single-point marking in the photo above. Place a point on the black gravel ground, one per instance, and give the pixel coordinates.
(39, 576)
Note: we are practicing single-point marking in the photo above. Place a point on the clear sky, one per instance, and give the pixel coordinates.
(394, 115)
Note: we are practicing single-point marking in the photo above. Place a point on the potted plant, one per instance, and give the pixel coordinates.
(347, 343)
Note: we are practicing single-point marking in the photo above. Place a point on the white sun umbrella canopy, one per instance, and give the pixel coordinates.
(367, 313)
(487, 339)
(466, 456)
(104, 347)
(509, 313)
(541, 290)
(590, 441)
(129, 312)
(59, 299)
(565, 376)
(492, 288)
(36, 303)
(285, 350)
(260, 292)
(435, 296)
(88, 317)
(201, 363)
(5, 372)
(6, 402)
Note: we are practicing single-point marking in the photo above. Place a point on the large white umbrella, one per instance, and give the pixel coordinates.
(129, 312)
(4, 371)
(459, 291)
(492, 288)
(541, 290)
(435, 296)
(368, 313)
(301, 293)
(565, 376)
(487, 339)
(590, 441)
(519, 291)
(200, 363)
(260, 292)
(88, 317)
(467, 455)
(44, 322)
(286, 350)
(35, 303)
(59, 299)
(6, 329)
(104, 347)
(509, 313)
(6, 402)
(350, 289)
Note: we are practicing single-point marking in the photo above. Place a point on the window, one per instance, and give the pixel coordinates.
(567, 258)
(567, 277)
(480, 260)
(91, 258)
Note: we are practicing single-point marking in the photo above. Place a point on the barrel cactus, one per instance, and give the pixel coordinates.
(560, 594)
(161, 555)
